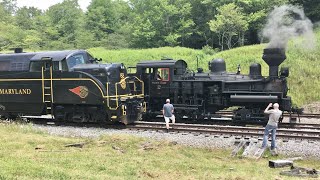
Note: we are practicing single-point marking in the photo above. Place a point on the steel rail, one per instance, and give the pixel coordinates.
(228, 121)
(285, 114)
(300, 126)
(229, 130)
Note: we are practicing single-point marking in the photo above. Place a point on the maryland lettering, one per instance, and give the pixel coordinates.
(15, 91)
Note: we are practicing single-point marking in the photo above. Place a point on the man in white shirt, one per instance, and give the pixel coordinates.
(274, 116)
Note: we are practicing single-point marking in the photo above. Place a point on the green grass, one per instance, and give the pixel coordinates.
(99, 160)
(131, 56)
(304, 78)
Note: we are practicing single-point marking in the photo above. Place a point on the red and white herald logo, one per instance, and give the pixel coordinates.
(81, 91)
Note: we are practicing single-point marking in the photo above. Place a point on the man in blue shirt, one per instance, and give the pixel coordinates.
(167, 112)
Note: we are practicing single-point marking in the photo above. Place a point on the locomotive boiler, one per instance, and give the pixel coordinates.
(70, 85)
(199, 95)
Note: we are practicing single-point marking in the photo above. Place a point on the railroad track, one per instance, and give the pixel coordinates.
(223, 120)
(300, 126)
(305, 131)
(286, 130)
(228, 113)
(305, 134)
(214, 121)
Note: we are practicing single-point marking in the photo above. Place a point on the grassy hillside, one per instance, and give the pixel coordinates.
(131, 56)
(304, 79)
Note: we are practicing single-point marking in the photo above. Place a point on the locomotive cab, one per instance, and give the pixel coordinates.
(158, 77)
(61, 60)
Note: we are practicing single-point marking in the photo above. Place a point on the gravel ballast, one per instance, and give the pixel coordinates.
(303, 148)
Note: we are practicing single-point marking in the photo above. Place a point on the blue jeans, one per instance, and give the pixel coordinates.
(273, 130)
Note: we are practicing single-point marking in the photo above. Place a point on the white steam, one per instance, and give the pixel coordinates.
(285, 22)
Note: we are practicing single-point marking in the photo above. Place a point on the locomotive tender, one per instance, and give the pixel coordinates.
(69, 85)
(199, 95)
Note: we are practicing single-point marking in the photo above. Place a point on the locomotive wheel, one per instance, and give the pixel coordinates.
(102, 119)
(59, 114)
(12, 116)
(81, 117)
(178, 116)
(149, 116)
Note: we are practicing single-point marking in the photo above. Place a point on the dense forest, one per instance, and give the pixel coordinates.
(116, 24)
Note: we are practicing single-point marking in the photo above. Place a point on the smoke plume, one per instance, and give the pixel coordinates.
(285, 22)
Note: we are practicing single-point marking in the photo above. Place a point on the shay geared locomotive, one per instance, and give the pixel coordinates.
(199, 95)
(69, 85)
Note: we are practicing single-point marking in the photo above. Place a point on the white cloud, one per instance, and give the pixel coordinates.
(45, 4)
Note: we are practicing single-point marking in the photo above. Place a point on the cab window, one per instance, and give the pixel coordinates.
(4, 65)
(164, 74)
(75, 60)
(90, 58)
(64, 66)
(147, 73)
(55, 65)
(36, 66)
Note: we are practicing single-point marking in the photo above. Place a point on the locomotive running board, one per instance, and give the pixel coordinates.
(253, 98)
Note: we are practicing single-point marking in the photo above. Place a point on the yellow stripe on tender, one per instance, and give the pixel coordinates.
(57, 79)
(83, 79)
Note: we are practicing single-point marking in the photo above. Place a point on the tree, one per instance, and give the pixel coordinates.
(7, 9)
(106, 20)
(62, 21)
(203, 10)
(25, 17)
(84, 39)
(10, 36)
(100, 18)
(10, 6)
(257, 12)
(311, 7)
(157, 23)
(32, 40)
(230, 22)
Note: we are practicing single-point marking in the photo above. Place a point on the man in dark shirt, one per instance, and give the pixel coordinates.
(167, 112)
(158, 77)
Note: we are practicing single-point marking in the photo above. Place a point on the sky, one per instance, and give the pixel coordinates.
(45, 4)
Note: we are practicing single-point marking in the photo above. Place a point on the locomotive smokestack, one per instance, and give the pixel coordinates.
(274, 57)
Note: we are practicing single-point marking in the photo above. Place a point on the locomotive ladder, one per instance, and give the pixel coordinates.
(47, 90)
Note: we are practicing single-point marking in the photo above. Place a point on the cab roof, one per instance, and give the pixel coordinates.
(56, 55)
(162, 63)
(34, 56)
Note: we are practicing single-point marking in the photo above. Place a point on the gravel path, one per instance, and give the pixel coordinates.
(309, 149)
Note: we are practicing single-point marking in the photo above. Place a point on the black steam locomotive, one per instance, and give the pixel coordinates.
(70, 85)
(199, 95)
